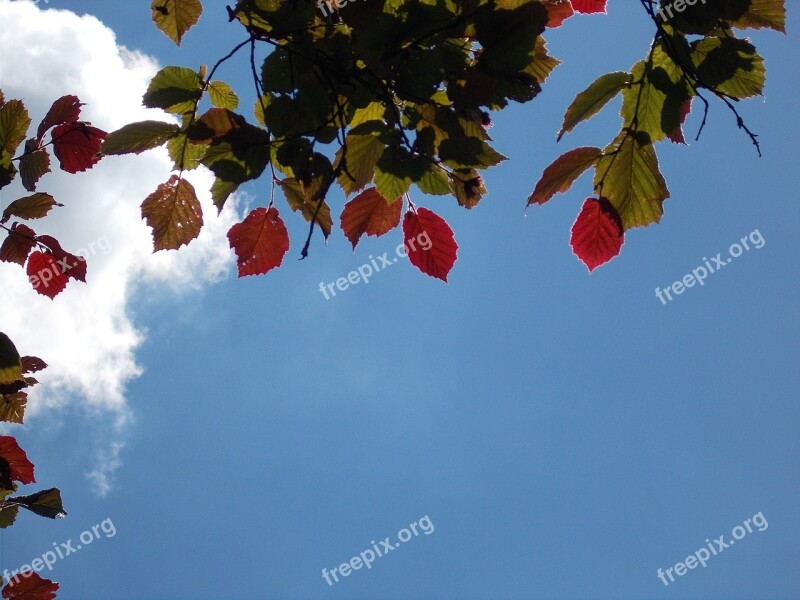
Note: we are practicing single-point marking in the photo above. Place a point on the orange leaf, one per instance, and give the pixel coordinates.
(18, 245)
(370, 214)
(30, 587)
(14, 463)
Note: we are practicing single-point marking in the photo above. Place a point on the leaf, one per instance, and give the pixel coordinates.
(589, 6)
(395, 170)
(10, 360)
(597, 234)
(176, 17)
(45, 275)
(180, 149)
(46, 503)
(363, 152)
(370, 214)
(222, 96)
(468, 188)
(632, 181)
(307, 205)
(7, 516)
(174, 89)
(77, 146)
(590, 101)
(260, 242)
(33, 164)
(174, 214)
(653, 103)
(558, 11)
(14, 122)
(66, 109)
(18, 245)
(136, 138)
(562, 173)
(677, 134)
(763, 13)
(730, 65)
(430, 243)
(12, 407)
(69, 264)
(14, 464)
(30, 587)
(32, 364)
(30, 207)
(220, 191)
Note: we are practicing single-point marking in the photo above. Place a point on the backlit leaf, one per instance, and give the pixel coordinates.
(14, 122)
(590, 101)
(176, 17)
(18, 244)
(589, 6)
(222, 96)
(136, 138)
(32, 364)
(30, 587)
(562, 173)
(12, 407)
(66, 109)
(307, 204)
(10, 360)
(77, 145)
(35, 162)
(174, 214)
(174, 89)
(363, 152)
(370, 214)
(30, 207)
(429, 242)
(260, 242)
(597, 234)
(45, 274)
(14, 463)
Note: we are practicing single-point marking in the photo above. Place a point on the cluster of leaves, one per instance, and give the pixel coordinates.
(389, 94)
(375, 97)
(76, 145)
(15, 468)
(694, 51)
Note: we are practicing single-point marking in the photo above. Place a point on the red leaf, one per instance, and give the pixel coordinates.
(64, 110)
(369, 213)
(32, 364)
(45, 274)
(20, 468)
(677, 135)
(72, 266)
(429, 242)
(260, 242)
(589, 6)
(30, 587)
(558, 11)
(597, 235)
(18, 245)
(77, 145)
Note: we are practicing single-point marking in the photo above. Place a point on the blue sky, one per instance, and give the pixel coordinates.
(566, 433)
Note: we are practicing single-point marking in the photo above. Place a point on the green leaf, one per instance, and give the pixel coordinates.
(30, 207)
(181, 150)
(394, 173)
(731, 66)
(468, 152)
(221, 191)
(176, 17)
(653, 103)
(10, 360)
(308, 206)
(8, 515)
(222, 96)
(174, 89)
(763, 13)
(14, 123)
(363, 152)
(590, 101)
(35, 162)
(434, 181)
(136, 138)
(559, 176)
(628, 175)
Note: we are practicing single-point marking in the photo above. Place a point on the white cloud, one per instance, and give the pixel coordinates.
(87, 335)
